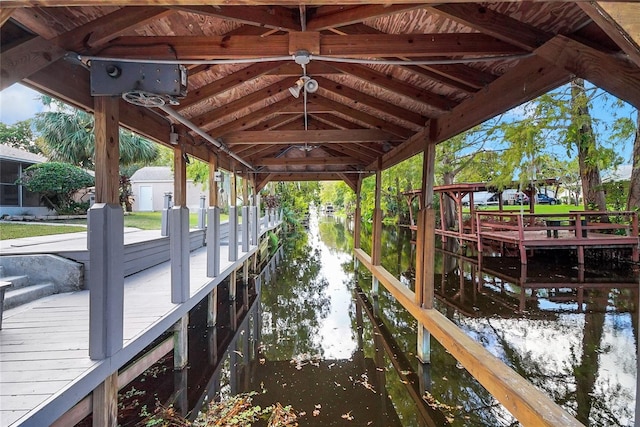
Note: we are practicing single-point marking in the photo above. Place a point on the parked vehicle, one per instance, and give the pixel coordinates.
(543, 199)
(481, 198)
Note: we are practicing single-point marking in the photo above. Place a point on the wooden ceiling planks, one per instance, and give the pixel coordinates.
(249, 105)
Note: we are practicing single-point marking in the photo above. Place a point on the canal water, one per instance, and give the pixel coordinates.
(310, 334)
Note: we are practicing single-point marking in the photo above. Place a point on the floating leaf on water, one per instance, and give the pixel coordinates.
(318, 406)
(316, 412)
(348, 416)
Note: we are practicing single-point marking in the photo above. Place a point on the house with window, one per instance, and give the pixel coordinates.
(14, 198)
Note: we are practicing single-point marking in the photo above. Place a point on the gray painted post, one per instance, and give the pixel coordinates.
(181, 342)
(424, 344)
(246, 226)
(179, 249)
(233, 233)
(164, 227)
(255, 225)
(106, 280)
(213, 242)
(202, 214)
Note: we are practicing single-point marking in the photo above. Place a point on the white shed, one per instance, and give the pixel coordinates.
(150, 184)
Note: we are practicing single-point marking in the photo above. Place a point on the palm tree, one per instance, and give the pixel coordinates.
(67, 136)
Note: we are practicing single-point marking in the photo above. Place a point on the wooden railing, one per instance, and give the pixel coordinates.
(574, 224)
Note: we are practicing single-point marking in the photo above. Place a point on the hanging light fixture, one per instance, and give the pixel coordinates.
(304, 82)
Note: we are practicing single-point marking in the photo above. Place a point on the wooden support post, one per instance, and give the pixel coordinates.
(376, 244)
(179, 234)
(105, 402)
(425, 252)
(357, 217)
(233, 288)
(213, 221)
(212, 310)
(375, 286)
(106, 241)
(233, 218)
(181, 343)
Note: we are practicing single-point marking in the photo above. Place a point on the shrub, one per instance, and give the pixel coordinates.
(56, 182)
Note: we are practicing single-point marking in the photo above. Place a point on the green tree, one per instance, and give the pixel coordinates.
(633, 200)
(19, 136)
(56, 182)
(68, 136)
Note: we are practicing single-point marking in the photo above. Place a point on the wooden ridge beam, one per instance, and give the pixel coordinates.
(273, 17)
(338, 136)
(357, 45)
(595, 66)
(236, 106)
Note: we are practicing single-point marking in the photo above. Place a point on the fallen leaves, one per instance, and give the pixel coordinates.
(348, 416)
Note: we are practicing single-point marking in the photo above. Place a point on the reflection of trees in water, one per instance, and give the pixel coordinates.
(450, 384)
(294, 303)
(334, 235)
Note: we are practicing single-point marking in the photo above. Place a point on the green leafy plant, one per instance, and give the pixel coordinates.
(56, 182)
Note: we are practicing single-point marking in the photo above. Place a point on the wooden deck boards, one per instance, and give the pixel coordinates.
(44, 364)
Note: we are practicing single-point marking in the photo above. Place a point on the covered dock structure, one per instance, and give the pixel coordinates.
(291, 91)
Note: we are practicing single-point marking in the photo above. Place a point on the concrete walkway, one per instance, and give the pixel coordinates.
(66, 242)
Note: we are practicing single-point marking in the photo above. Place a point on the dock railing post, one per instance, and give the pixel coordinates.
(233, 233)
(246, 227)
(202, 214)
(106, 280)
(180, 251)
(213, 242)
(164, 224)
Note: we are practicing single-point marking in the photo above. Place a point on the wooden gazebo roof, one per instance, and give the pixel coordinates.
(453, 65)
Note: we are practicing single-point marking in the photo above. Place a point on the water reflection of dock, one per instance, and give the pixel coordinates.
(497, 287)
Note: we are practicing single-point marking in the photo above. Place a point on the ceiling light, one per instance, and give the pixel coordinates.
(305, 82)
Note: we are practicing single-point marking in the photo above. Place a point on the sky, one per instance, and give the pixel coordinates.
(17, 103)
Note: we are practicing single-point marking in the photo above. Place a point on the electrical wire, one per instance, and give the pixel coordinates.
(87, 59)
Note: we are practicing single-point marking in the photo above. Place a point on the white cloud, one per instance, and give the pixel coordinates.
(17, 103)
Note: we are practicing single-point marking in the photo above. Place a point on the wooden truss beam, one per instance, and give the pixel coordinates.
(357, 45)
(322, 21)
(310, 136)
(326, 161)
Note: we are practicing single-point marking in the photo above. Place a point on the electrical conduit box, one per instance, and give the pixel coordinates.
(111, 78)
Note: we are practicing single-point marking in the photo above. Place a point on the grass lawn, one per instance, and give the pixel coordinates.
(15, 231)
(141, 220)
(539, 209)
